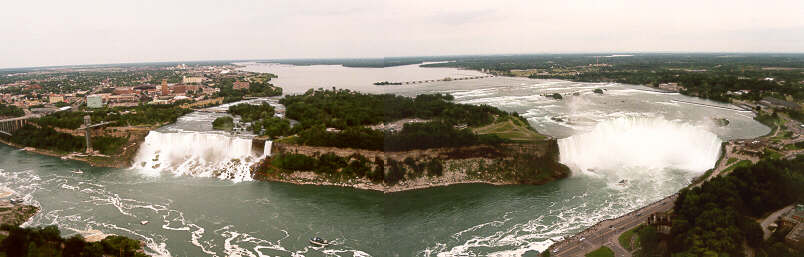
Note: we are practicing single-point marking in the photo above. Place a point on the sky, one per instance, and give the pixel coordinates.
(47, 33)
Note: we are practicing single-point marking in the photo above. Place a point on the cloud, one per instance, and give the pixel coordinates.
(51, 32)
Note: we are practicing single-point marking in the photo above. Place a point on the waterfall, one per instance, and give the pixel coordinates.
(640, 147)
(198, 154)
(267, 150)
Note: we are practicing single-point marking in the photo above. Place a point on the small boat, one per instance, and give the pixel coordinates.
(16, 201)
(78, 171)
(317, 241)
(144, 222)
(622, 182)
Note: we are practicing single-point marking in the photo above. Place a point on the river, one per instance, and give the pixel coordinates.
(606, 139)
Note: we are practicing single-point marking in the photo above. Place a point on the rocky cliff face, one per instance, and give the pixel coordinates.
(519, 163)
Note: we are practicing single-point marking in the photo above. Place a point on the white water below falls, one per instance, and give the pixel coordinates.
(634, 147)
(199, 154)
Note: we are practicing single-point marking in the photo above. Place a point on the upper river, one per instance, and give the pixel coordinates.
(654, 141)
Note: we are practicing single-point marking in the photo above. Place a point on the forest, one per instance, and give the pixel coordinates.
(10, 111)
(150, 114)
(342, 108)
(251, 112)
(47, 138)
(331, 165)
(256, 89)
(715, 218)
(47, 241)
(446, 124)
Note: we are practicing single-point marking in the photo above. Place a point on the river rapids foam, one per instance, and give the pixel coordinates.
(199, 154)
(642, 146)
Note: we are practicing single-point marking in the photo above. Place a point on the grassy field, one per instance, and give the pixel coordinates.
(742, 163)
(512, 129)
(625, 238)
(731, 160)
(601, 252)
(773, 154)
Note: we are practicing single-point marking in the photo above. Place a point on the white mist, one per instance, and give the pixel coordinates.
(633, 147)
(198, 154)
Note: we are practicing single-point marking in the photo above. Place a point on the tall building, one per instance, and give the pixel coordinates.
(94, 101)
(165, 90)
(191, 80)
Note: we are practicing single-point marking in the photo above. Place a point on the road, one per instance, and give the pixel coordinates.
(766, 233)
(607, 232)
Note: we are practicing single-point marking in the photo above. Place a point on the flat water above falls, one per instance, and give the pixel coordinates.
(197, 216)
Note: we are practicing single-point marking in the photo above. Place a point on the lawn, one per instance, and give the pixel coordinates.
(731, 160)
(742, 163)
(601, 252)
(773, 154)
(512, 129)
(625, 238)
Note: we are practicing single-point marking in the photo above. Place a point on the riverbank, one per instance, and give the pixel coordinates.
(135, 136)
(734, 153)
(15, 214)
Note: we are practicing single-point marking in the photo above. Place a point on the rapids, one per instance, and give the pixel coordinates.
(208, 207)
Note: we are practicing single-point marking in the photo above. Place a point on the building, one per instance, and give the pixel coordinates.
(145, 90)
(165, 89)
(661, 221)
(793, 217)
(795, 237)
(192, 80)
(94, 101)
(32, 87)
(240, 85)
(794, 220)
(123, 90)
(671, 87)
(183, 89)
(210, 90)
(779, 103)
(123, 100)
(55, 98)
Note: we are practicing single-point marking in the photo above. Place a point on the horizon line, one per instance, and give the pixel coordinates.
(387, 57)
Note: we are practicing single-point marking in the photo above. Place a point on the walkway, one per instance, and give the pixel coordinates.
(607, 232)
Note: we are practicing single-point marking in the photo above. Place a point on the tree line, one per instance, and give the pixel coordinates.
(715, 218)
(47, 241)
(144, 114)
(333, 166)
(10, 111)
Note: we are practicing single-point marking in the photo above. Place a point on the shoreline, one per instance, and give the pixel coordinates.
(380, 188)
(15, 214)
(111, 162)
(123, 159)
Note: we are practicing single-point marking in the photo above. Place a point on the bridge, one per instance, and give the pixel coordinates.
(9, 126)
(434, 80)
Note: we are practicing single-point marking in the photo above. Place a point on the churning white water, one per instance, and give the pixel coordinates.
(199, 154)
(641, 146)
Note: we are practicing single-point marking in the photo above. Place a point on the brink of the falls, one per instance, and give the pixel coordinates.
(199, 154)
(634, 147)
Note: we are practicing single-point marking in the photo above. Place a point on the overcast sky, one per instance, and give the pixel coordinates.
(44, 33)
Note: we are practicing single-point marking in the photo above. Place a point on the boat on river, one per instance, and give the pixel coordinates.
(317, 241)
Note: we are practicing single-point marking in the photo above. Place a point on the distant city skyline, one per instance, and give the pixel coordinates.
(53, 33)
